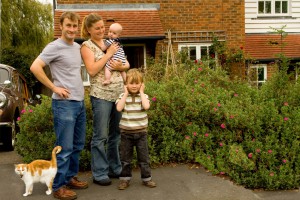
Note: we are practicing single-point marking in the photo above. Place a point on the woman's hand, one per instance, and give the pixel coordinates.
(116, 65)
(113, 48)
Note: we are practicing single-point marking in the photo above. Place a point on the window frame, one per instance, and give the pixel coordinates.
(257, 66)
(86, 82)
(198, 48)
(273, 8)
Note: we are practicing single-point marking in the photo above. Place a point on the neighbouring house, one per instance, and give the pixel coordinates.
(154, 27)
(262, 19)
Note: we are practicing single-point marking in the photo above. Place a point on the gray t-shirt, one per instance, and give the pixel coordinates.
(64, 61)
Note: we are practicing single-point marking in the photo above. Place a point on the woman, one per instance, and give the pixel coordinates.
(106, 133)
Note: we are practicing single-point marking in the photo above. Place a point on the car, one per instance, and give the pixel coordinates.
(14, 97)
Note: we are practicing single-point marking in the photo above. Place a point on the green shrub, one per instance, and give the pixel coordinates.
(37, 138)
(199, 115)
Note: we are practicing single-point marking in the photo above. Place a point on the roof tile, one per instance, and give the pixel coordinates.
(142, 23)
(266, 46)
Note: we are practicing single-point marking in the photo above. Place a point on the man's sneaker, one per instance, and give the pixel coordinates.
(123, 184)
(150, 184)
(76, 184)
(64, 194)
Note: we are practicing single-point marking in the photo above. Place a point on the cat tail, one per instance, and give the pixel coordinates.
(55, 151)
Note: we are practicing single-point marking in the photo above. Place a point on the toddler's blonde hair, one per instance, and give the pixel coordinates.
(134, 76)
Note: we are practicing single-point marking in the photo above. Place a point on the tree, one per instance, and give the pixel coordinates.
(26, 27)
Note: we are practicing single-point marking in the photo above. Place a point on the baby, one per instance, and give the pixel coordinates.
(114, 33)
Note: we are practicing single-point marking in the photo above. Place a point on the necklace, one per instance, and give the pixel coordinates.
(96, 44)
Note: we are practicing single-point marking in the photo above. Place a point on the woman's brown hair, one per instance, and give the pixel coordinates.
(88, 22)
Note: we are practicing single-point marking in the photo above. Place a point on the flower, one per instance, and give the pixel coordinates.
(215, 109)
(241, 47)
(286, 118)
(222, 173)
(208, 157)
(223, 126)
(221, 144)
(231, 116)
(258, 150)
(187, 137)
(200, 69)
(196, 81)
(270, 151)
(23, 111)
(206, 134)
(285, 103)
(235, 95)
(218, 104)
(19, 118)
(154, 99)
(195, 133)
(250, 155)
(284, 160)
(196, 61)
(237, 150)
(30, 110)
(272, 174)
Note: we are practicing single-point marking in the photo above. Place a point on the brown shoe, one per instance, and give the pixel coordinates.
(64, 194)
(76, 184)
(123, 184)
(150, 184)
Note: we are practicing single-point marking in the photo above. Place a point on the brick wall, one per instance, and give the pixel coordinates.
(194, 15)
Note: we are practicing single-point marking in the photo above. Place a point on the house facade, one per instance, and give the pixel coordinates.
(150, 27)
(264, 20)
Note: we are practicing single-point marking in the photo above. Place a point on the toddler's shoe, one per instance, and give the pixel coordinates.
(150, 184)
(123, 184)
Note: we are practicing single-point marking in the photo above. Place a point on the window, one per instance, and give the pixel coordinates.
(4, 75)
(273, 7)
(258, 74)
(197, 51)
(85, 76)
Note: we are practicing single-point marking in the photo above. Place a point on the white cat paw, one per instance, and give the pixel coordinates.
(48, 192)
(25, 194)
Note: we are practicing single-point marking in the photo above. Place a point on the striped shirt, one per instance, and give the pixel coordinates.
(134, 117)
(119, 55)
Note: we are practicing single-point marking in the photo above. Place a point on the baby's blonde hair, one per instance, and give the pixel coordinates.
(134, 76)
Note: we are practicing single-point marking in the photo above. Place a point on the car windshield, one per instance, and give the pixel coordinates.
(4, 75)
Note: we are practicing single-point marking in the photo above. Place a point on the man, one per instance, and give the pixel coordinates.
(69, 115)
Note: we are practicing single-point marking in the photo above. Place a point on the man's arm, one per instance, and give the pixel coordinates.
(38, 71)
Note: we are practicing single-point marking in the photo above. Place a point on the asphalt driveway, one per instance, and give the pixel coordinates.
(174, 182)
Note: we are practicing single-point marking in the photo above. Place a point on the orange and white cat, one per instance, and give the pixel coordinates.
(43, 171)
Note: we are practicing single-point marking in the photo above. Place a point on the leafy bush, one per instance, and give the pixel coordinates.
(228, 127)
(199, 115)
(37, 138)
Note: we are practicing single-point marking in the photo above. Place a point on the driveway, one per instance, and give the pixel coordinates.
(174, 182)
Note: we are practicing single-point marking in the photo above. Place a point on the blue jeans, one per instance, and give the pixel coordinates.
(105, 140)
(69, 126)
(140, 142)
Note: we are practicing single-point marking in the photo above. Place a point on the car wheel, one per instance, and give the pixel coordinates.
(9, 139)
